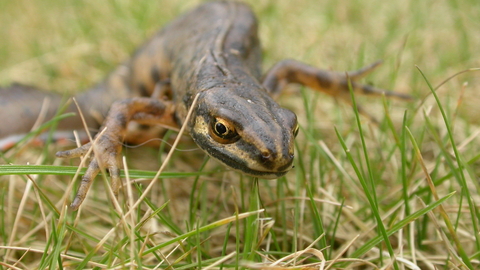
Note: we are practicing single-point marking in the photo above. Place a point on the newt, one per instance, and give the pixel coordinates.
(212, 52)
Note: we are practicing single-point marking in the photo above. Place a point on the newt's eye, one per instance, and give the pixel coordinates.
(223, 131)
(295, 130)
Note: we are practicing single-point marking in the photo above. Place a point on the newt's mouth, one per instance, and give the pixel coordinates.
(264, 174)
(253, 165)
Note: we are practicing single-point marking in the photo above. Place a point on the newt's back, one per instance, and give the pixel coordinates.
(180, 50)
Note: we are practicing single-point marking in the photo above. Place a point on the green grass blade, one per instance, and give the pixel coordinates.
(71, 170)
(399, 225)
(205, 228)
(49, 124)
(460, 177)
(368, 186)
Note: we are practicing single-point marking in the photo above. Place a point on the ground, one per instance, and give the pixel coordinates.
(359, 194)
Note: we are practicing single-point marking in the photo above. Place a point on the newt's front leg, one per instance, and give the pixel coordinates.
(332, 83)
(107, 148)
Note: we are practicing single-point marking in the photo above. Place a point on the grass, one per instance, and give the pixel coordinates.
(359, 196)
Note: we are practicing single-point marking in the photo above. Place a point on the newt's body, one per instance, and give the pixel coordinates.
(212, 51)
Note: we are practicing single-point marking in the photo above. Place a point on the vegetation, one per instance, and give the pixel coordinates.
(403, 194)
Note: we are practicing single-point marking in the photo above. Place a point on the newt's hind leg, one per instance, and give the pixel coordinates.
(108, 146)
(332, 83)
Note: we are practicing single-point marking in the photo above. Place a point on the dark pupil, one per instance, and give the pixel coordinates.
(220, 128)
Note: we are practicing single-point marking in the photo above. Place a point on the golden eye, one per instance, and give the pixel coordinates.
(223, 131)
(295, 130)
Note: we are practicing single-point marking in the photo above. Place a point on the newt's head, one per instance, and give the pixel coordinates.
(249, 133)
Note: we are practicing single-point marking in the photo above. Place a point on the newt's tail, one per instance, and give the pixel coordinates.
(25, 108)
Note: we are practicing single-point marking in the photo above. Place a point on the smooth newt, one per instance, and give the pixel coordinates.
(212, 51)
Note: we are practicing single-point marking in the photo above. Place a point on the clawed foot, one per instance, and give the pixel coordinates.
(106, 154)
(368, 89)
(335, 84)
(107, 146)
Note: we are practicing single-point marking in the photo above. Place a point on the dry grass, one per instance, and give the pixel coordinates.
(67, 46)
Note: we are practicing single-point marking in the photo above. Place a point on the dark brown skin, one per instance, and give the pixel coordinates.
(212, 51)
